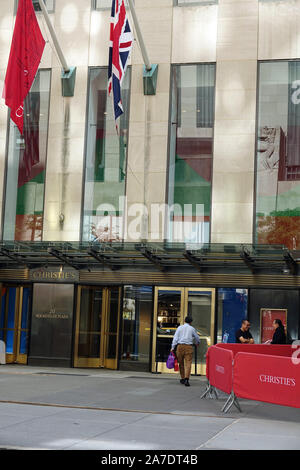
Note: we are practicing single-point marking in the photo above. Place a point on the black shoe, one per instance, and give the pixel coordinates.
(186, 382)
(182, 381)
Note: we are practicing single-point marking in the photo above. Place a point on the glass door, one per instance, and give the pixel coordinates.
(168, 315)
(171, 306)
(200, 305)
(136, 319)
(111, 328)
(14, 316)
(97, 327)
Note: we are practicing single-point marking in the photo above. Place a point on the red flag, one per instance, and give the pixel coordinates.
(25, 55)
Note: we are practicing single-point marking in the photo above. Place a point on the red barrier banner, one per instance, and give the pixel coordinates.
(220, 368)
(270, 379)
(267, 349)
(207, 362)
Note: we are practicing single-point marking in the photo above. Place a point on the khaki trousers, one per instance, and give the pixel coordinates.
(184, 353)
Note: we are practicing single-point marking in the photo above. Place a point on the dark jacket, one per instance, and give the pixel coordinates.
(279, 336)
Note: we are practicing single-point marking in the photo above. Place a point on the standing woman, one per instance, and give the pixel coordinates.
(279, 336)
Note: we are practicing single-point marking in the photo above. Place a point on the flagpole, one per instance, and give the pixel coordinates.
(54, 38)
(139, 36)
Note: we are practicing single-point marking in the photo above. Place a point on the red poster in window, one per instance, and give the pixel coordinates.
(267, 316)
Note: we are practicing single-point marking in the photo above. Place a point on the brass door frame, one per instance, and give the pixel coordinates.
(160, 366)
(20, 358)
(213, 304)
(110, 363)
(15, 356)
(12, 357)
(101, 360)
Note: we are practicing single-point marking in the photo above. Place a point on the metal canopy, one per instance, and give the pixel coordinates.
(170, 257)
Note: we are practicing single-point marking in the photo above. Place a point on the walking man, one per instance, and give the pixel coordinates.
(184, 338)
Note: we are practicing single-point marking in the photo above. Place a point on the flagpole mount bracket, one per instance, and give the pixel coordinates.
(150, 79)
(68, 82)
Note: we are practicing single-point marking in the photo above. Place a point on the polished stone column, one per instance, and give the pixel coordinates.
(64, 176)
(149, 115)
(234, 138)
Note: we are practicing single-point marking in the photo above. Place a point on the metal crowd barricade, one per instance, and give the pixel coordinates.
(274, 378)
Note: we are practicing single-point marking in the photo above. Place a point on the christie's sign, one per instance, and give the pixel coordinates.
(220, 369)
(271, 379)
(54, 275)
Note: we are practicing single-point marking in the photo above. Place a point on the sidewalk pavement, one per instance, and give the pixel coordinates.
(97, 409)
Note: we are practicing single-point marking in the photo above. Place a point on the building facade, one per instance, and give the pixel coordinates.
(109, 240)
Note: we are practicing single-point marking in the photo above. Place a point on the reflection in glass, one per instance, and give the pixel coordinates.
(199, 308)
(90, 323)
(26, 163)
(278, 154)
(112, 324)
(24, 320)
(232, 310)
(10, 321)
(191, 150)
(136, 325)
(106, 154)
(168, 319)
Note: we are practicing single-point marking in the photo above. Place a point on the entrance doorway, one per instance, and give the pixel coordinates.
(14, 316)
(171, 306)
(97, 327)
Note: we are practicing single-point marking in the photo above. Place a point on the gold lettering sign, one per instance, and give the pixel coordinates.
(61, 316)
(54, 275)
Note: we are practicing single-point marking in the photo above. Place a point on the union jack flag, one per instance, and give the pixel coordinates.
(120, 45)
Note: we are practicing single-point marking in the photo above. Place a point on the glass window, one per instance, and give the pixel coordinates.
(232, 310)
(106, 156)
(50, 4)
(104, 4)
(191, 150)
(101, 4)
(136, 326)
(194, 2)
(278, 154)
(26, 164)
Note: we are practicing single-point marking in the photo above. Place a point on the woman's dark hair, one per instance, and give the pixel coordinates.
(279, 323)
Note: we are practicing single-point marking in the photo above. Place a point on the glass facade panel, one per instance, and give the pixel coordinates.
(191, 150)
(232, 310)
(136, 325)
(106, 154)
(50, 4)
(278, 154)
(26, 164)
